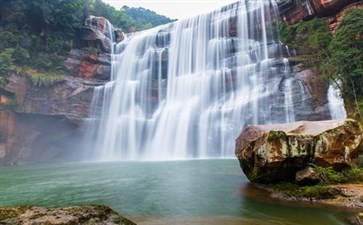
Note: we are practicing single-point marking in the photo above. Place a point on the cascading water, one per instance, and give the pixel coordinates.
(336, 104)
(186, 89)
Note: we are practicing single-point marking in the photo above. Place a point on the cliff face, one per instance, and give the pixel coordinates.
(43, 123)
(294, 11)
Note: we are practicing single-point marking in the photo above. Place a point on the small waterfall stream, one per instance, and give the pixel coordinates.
(336, 104)
(186, 89)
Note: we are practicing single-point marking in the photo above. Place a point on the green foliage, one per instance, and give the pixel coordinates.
(116, 17)
(39, 34)
(353, 175)
(41, 79)
(41, 38)
(45, 80)
(346, 51)
(336, 56)
(146, 26)
(7, 39)
(328, 175)
(145, 18)
(319, 191)
(312, 34)
(6, 62)
(20, 55)
(3, 81)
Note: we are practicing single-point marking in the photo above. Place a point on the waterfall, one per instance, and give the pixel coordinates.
(336, 104)
(186, 89)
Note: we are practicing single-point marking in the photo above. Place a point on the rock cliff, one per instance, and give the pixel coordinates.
(43, 123)
(294, 11)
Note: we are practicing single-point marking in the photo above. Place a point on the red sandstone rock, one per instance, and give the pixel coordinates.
(294, 11)
(7, 127)
(59, 99)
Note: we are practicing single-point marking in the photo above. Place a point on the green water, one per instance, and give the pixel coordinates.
(175, 192)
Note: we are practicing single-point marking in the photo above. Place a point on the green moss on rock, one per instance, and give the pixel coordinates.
(320, 191)
(88, 215)
(275, 153)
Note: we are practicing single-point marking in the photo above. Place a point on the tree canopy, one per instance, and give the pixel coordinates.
(145, 18)
(40, 33)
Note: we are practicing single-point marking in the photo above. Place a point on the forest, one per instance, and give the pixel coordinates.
(36, 36)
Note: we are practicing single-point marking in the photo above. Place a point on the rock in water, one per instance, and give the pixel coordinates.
(357, 219)
(88, 214)
(271, 153)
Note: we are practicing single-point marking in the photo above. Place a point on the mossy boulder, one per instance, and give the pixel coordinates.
(88, 215)
(272, 153)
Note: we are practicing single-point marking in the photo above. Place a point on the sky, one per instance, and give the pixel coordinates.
(174, 9)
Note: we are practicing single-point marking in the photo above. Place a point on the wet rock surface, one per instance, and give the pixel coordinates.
(44, 124)
(88, 214)
(272, 153)
(97, 33)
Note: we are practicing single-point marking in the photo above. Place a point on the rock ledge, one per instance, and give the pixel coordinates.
(88, 214)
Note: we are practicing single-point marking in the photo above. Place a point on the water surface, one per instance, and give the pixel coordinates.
(173, 192)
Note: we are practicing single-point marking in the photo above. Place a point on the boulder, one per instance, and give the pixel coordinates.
(119, 35)
(307, 176)
(87, 214)
(98, 33)
(271, 153)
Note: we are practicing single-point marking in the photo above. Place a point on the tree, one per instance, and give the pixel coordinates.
(346, 51)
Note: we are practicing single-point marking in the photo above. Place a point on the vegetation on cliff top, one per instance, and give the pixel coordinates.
(337, 56)
(145, 18)
(38, 34)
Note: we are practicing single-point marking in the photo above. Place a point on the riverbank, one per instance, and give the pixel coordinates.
(340, 195)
